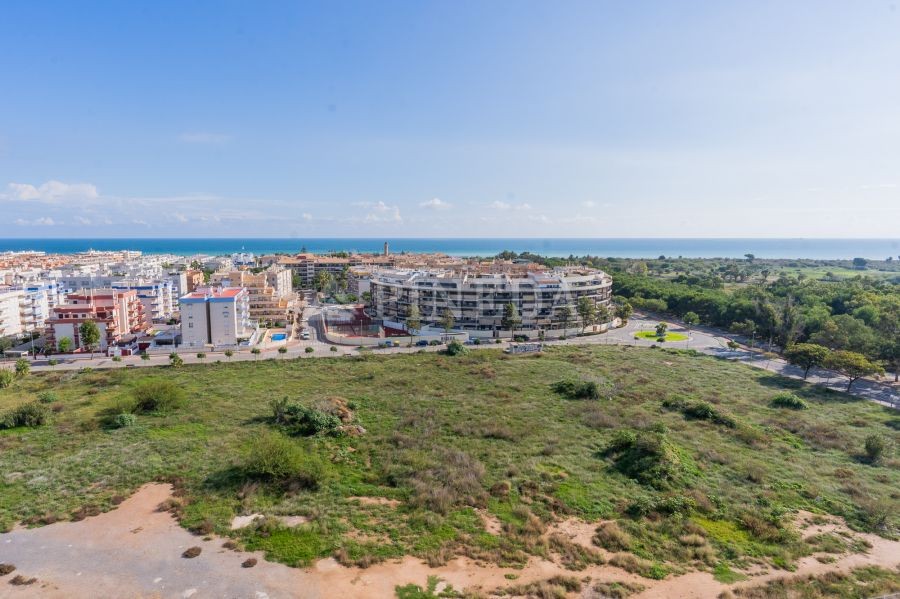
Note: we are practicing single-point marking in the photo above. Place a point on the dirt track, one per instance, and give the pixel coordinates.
(135, 551)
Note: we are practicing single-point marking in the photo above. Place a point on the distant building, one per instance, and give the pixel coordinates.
(12, 318)
(117, 312)
(217, 316)
(194, 279)
(271, 298)
(477, 297)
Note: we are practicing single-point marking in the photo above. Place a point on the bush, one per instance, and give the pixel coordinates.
(875, 448)
(699, 410)
(455, 348)
(157, 396)
(332, 348)
(577, 389)
(309, 350)
(788, 400)
(175, 360)
(31, 414)
(124, 420)
(275, 457)
(6, 378)
(648, 457)
(23, 367)
(47, 397)
(282, 350)
(117, 358)
(145, 356)
(52, 362)
(201, 355)
(228, 353)
(612, 538)
(301, 420)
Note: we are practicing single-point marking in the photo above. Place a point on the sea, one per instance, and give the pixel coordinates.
(818, 249)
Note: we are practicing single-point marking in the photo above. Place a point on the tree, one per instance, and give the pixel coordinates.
(447, 321)
(749, 257)
(322, 280)
(228, 353)
(806, 355)
(875, 447)
(661, 329)
(603, 314)
(22, 367)
(6, 378)
(511, 318)
(145, 356)
(852, 365)
(175, 360)
(565, 316)
(5, 344)
(587, 311)
(691, 319)
(282, 350)
(624, 311)
(64, 345)
(413, 320)
(860, 263)
(255, 351)
(90, 335)
(201, 356)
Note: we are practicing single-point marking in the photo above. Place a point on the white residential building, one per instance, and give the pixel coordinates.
(11, 316)
(217, 316)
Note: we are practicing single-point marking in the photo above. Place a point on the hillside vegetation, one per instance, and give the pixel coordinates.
(689, 461)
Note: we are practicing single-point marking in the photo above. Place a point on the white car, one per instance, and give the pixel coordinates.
(304, 335)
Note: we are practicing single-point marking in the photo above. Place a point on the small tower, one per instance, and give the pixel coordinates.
(386, 250)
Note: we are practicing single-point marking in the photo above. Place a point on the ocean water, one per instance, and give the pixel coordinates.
(822, 249)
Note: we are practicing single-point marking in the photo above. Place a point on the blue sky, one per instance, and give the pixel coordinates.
(552, 119)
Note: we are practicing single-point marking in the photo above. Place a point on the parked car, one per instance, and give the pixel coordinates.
(422, 343)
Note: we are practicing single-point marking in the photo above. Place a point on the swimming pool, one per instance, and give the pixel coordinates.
(278, 336)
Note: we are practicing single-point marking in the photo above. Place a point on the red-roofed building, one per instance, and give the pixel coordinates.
(117, 312)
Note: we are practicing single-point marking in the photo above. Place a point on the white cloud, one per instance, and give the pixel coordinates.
(203, 137)
(381, 212)
(82, 220)
(306, 216)
(498, 205)
(43, 221)
(50, 191)
(180, 217)
(436, 204)
(589, 204)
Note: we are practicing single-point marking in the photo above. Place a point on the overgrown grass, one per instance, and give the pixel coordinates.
(445, 435)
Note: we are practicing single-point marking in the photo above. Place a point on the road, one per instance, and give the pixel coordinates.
(702, 339)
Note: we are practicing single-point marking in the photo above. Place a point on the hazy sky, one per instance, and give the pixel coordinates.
(487, 118)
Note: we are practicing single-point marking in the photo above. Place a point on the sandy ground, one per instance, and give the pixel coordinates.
(135, 551)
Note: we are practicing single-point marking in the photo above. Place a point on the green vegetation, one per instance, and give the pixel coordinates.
(446, 436)
(30, 414)
(861, 583)
(789, 400)
(455, 348)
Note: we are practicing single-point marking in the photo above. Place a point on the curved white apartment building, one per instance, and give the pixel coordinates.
(477, 298)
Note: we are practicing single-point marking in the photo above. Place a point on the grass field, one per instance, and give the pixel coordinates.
(668, 336)
(707, 480)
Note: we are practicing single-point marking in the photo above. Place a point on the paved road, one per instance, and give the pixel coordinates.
(702, 339)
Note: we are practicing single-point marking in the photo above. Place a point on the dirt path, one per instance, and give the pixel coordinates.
(135, 552)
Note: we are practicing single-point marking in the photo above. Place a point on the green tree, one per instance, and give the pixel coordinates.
(661, 329)
(691, 319)
(64, 345)
(145, 356)
(587, 312)
(255, 351)
(624, 311)
(603, 314)
(511, 319)
(852, 365)
(875, 448)
(413, 320)
(565, 315)
(447, 321)
(5, 344)
(860, 263)
(175, 360)
(282, 350)
(806, 356)
(6, 378)
(322, 280)
(89, 333)
(22, 367)
(228, 353)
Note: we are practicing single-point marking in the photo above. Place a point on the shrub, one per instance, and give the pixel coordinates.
(785, 399)
(23, 367)
(145, 356)
(124, 420)
(699, 410)
(175, 360)
(577, 389)
(201, 355)
(282, 350)
(47, 397)
(275, 457)
(875, 448)
(157, 396)
(31, 414)
(191, 552)
(648, 457)
(452, 478)
(52, 362)
(228, 353)
(6, 378)
(117, 358)
(255, 351)
(611, 537)
(301, 420)
(332, 348)
(455, 348)
(308, 350)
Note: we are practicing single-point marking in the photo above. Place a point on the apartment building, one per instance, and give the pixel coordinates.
(271, 298)
(217, 316)
(39, 299)
(117, 312)
(12, 317)
(477, 297)
(157, 296)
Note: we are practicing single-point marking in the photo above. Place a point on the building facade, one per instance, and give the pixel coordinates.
(546, 300)
(12, 316)
(117, 312)
(217, 316)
